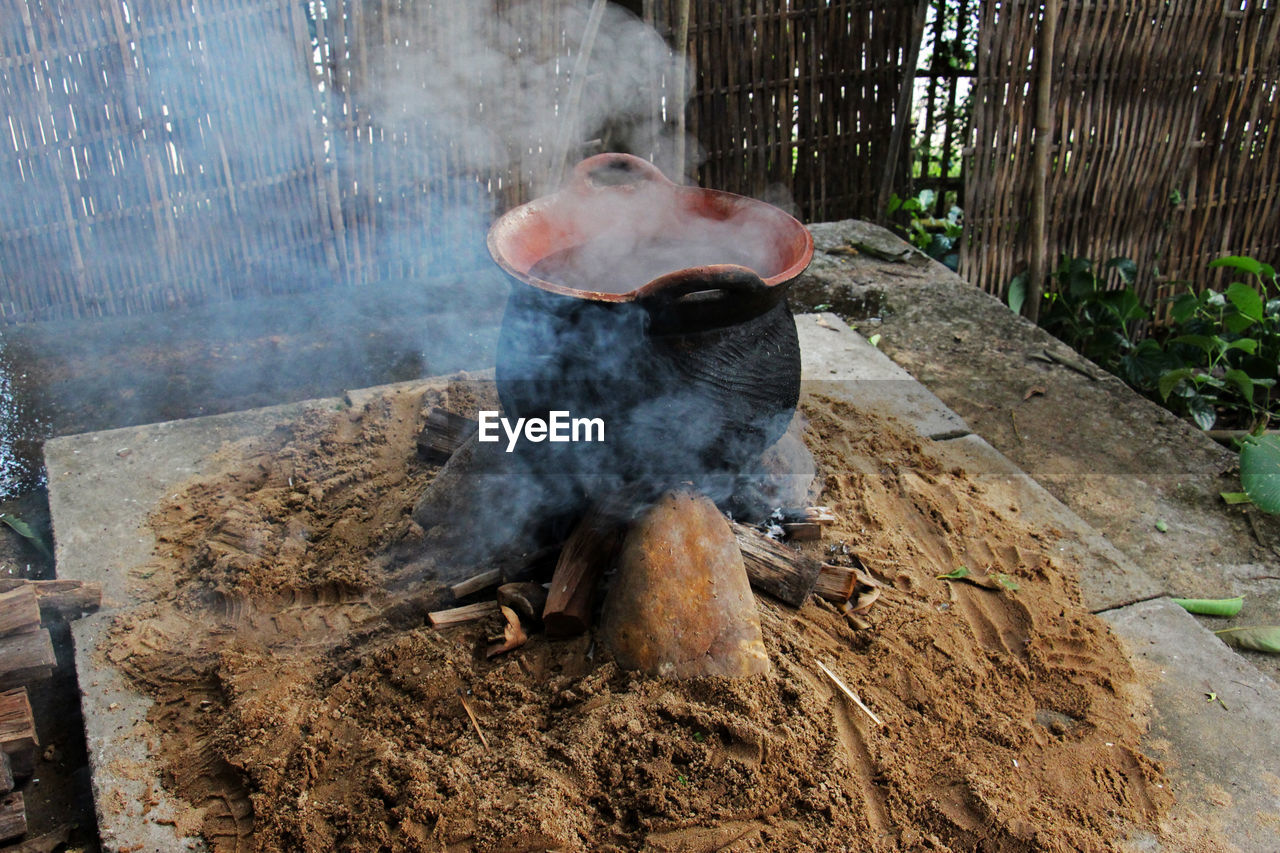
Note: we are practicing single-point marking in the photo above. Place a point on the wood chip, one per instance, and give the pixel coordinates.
(461, 615)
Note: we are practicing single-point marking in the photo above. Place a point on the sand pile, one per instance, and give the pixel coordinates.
(292, 715)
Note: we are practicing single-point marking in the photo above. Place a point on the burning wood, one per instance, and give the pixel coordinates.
(476, 583)
(803, 531)
(587, 554)
(785, 573)
(527, 599)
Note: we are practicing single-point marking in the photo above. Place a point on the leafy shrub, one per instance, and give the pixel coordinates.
(1227, 348)
(937, 238)
(1216, 361)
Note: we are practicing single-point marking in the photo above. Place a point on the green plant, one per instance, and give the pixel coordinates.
(1216, 359)
(1227, 345)
(1102, 322)
(937, 238)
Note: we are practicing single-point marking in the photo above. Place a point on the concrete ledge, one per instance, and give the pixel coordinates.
(1213, 725)
(839, 362)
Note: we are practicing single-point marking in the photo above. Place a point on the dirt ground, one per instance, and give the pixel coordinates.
(291, 713)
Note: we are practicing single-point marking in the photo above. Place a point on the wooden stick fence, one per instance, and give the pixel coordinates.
(1163, 146)
(158, 154)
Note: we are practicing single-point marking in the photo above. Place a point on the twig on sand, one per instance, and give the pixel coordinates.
(850, 694)
(466, 707)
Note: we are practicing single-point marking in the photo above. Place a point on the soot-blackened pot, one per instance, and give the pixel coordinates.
(660, 309)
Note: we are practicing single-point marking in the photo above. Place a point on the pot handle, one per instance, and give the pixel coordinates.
(604, 171)
(701, 285)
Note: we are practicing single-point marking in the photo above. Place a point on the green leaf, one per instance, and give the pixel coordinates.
(956, 575)
(1260, 471)
(1237, 323)
(1202, 412)
(1005, 581)
(1170, 379)
(1162, 525)
(24, 530)
(1239, 262)
(1242, 381)
(1017, 292)
(1260, 638)
(1211, 606)
(1184, 308)
(1234, 498)
(1203, 342)
(874, 340)
(1246, 300)
(1126, 268)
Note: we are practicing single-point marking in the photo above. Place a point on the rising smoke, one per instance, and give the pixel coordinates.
(186, 153)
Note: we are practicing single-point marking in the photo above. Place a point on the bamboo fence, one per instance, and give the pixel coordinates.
(1161, 139)
(796, 99)
(156, 154)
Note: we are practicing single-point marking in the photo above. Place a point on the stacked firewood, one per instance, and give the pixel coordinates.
(26, 656)
(564, 607)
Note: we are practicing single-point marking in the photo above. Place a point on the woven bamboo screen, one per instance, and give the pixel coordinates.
(156, 154)
(796, 95)
(122, 184)
(1164, 148)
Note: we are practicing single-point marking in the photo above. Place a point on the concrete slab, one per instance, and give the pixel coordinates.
(840, 363)
(1213, 726)
(101, 487)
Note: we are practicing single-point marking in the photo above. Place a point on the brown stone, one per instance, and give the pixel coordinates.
(680, 603)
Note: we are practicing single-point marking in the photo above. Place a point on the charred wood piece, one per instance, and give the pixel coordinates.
(443, 434)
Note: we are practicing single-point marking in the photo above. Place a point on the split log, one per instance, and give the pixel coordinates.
(18, 732)
(461, 615)
(773, 568)
(443, 434)
(19, 612)
(60, 599)
(6, 773)
(836, 583)
(25, 658)
(802, 531)
(588, 553)
(476, 583)
(13, 816)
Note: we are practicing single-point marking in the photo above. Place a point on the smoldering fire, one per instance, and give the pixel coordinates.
(560, 426)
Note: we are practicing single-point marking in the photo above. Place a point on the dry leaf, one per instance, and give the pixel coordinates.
(513, 634)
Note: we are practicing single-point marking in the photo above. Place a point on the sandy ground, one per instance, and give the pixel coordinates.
(291, 713)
